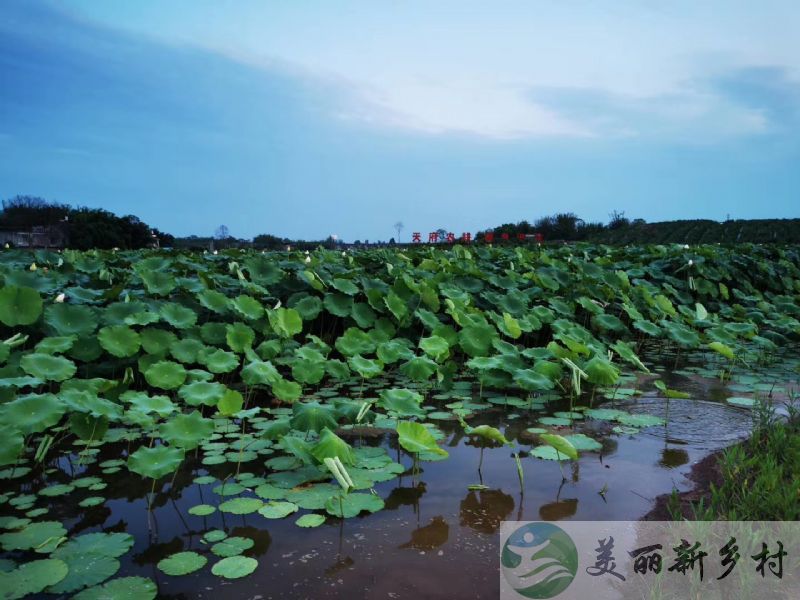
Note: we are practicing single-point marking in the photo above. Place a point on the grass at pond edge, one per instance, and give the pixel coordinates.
(754, 480)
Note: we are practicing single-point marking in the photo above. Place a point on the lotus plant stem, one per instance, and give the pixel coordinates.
(480, 462)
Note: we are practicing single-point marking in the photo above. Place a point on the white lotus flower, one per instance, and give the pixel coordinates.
(691, 262)
(216, 252)
(308, 259)
(61, 297)
(344, 254)
(7, 246)
(686, 246)
(33, 267)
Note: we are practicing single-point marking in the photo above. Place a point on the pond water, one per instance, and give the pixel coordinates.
(435, 537)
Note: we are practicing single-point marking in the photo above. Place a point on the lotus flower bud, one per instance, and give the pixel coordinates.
(691, 262)
(308, 259)
(61, 297)
(686, 246)
(216, 252)
(33, 267)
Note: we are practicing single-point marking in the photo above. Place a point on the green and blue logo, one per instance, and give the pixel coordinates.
(539, 560)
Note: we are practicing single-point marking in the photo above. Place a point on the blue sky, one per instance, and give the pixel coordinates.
(306, 119)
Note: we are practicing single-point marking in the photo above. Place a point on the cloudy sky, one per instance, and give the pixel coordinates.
(306, 119)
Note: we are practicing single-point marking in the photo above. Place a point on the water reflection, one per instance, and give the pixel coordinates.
(558, 510)
(672, 458)
(430, 536)
(405, 496)
(484, 510)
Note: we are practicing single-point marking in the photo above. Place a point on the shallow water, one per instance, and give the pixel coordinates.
(435, 538)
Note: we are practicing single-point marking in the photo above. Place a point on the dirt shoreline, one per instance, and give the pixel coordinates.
(704, 473)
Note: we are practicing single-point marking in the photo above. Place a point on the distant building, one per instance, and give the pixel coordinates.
(35, 237)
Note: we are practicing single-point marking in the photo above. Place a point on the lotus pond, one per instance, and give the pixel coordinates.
(319, 425)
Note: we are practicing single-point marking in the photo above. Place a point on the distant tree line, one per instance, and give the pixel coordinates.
(84, 228)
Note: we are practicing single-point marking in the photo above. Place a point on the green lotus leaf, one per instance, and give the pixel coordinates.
(218, 361)
(311, 497)
(87, 426)
(436, 347)
(234, 567)
(419, 368)
(313, 416)
(742, 402)
(604, 414)
(345, 286)
(627, 354)
(165, 375)
(84, 570)
(41, 537)
(404, 402)
(396, 306)
(350, 505)
(202, 510)
(248, 307)
(722, 349)
(647, 327)
(161, 405)
(548, 453)
(239, 337)
(365, 367)
(180, 317)
(415, 438)
(122, 588)
(337, 369)
(476, 340)
(157, 341)
(13, 442)
(561, 444)
(214, 301)
(32, 413)
(331, 445)
(230, 403)
(19, 305)
(275, 429)
(488, 434)
(277, 510)
(119, 340)
(606, 322)
(260, 373)
(363, 314)
(54, 345)
(32, 577)
(286, 391)
(155, 462)
(392, 351)
(308, 371)
(340, 305)
(187, 350)
(86, 401)
(355, 341)
(584, 442)
(601, 371)
(286, 322)
(532, 381)
(107, 544)
(310, 520)
(182, 563)
(511, 326)
(48, 367)
(241, 506)
(187, 431)
(309, 307)
(682, 335)
(157, 282)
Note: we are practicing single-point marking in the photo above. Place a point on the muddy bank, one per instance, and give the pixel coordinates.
(704, 474)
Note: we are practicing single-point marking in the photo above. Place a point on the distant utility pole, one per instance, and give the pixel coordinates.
(399, 227)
